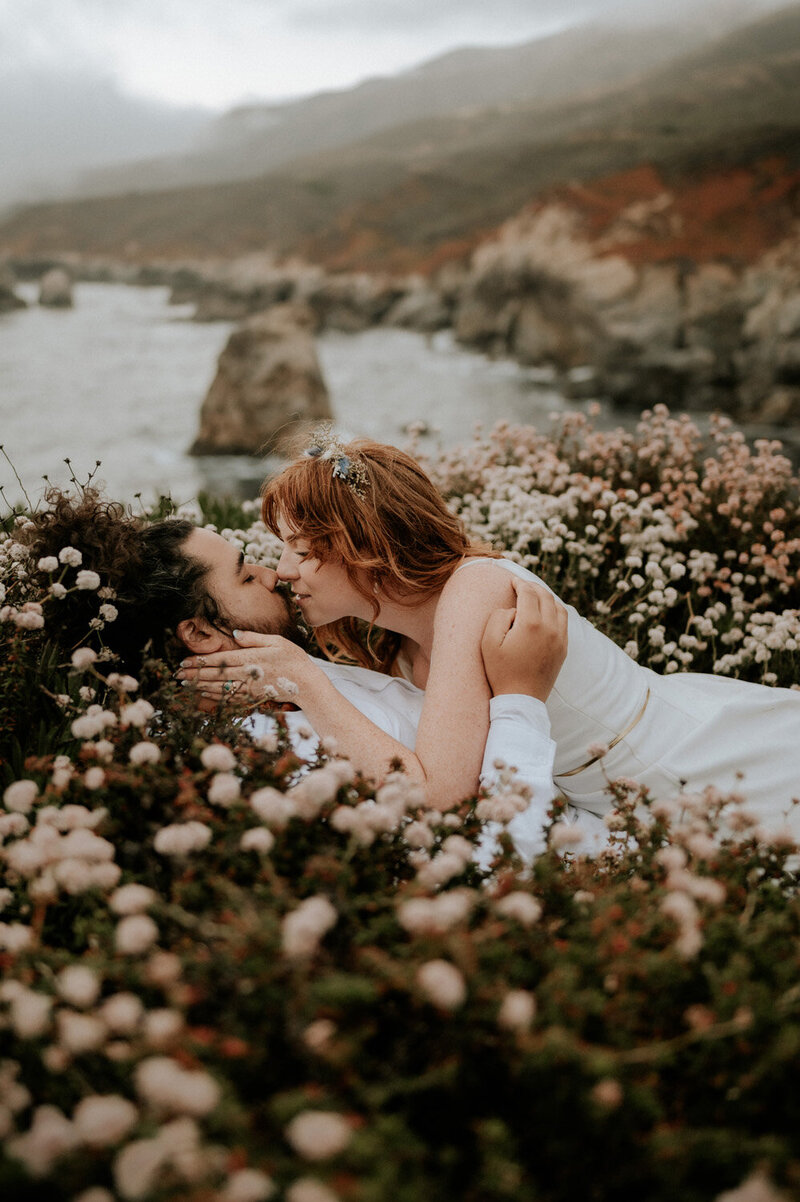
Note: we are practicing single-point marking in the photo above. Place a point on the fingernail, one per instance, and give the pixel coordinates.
(184, 663)
(237, 634)
(185, 684)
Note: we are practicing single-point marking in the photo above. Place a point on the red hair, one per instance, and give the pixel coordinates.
(396, 532)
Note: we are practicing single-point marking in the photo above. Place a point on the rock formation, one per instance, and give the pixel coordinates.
(8, 297)
(268, 383)
(55, 289)
(662, 303)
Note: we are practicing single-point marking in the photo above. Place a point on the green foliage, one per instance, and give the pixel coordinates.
(624, 1027)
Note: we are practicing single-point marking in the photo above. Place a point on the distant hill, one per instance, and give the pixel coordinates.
(253, 140)
(410, 196)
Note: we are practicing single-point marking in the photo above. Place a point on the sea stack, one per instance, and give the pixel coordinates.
(55, 289)
(268, 385)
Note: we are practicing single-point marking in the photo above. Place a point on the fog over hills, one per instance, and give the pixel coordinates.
(75, 133)
(55, 125)
(405, 194)
(251, 140)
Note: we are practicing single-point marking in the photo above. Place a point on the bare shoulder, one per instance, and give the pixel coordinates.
(481, 586)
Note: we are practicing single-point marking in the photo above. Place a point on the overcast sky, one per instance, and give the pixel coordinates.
(87, 83)
(217, 53)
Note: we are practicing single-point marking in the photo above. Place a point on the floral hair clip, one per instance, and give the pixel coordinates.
(327, 446)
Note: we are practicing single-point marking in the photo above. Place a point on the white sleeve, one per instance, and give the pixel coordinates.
(519, 737)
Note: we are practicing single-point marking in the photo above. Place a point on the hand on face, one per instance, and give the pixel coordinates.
(263, 667)
(523, 648)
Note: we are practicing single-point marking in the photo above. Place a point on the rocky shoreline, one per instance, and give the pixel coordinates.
(611, 307)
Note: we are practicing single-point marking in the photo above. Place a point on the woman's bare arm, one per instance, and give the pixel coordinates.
(455, 717)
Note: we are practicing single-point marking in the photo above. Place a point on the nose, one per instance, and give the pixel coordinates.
(269, 578)
(287, 568)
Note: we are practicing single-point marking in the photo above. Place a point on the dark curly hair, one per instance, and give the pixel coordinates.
(154, 584)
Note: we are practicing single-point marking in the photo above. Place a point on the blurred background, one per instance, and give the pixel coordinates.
(221, 223)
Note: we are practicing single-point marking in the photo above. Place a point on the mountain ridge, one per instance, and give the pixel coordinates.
(411, 197)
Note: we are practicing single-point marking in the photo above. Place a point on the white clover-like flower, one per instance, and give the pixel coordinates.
(70, 556)
(163, 969)
(78, 985)
(224, 790)
(123, 684)
(315, 789)
(84, 657)
(441, 869)
(138, 1166)
(247, 1185)
(163, 1084)
(218, 758)
(87, 726)
(435, 915)
(517, 1011)
(20, 795)
(274, 808)
(15, 937)
(48, 563)
(286, 687)
(104, 1120)
(135, 935)
(50, 1136)
(318, 1034)
(310, 1189)
(182, 838)
(136, 713)
(28, 619)
(87, 580)
(305, 927)
(443, 984)
(144, 753)
(132, 899)
(162, 1027)
(608, 1093)
(94, 777)
(520, 906)
(29, 1013)
(80, 1033)
(564, 835)
(122, 1013)
(258, 839)
(319, 1134)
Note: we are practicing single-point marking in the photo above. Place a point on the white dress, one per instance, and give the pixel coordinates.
(693, 729)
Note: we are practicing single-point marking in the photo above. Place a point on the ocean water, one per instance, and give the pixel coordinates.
(121, 377)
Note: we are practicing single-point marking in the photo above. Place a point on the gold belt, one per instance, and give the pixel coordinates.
(613, 743)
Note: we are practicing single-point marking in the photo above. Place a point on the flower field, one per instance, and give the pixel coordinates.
(227, 977)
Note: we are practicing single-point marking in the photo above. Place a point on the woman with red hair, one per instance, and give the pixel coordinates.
(387, 576)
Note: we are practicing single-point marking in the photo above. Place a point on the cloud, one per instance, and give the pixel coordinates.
(388, 15)
(204, 51)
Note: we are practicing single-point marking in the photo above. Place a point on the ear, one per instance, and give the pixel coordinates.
(201, 638)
